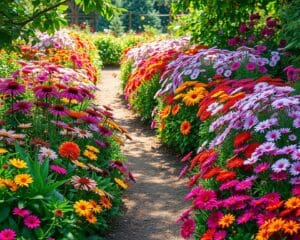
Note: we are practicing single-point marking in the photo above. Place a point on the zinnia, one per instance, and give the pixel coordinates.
(188, 228)
(83, 183)
(7, 234)
(32, 221)
(69, 150)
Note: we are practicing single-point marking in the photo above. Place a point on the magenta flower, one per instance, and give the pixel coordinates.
(59, 109)
(296, 191)
(32, 221)
(280, 176)
(22, 106)
(250, 66)
(90, 119)
(183, 171)
(184, 215)
(187, 228)
(235, 66)
(20, 212)
(45, 92)
(58, 169)
(262, 167)
(101, 143)
(295, 181)
(213, 219)
(243, 185)
(8, 234)
(245, 217)
(220, 235)
(12, 87)
(72, 93)
(206, 199)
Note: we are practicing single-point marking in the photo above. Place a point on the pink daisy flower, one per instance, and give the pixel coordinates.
(58, 169)
(22, 106)
(250, 66)
(228, 185)
(187, 228)
(296, 155)
(295, 169)
(220, 235)
(296, 123)
(273, 135)
(8, 234)
(280, 165)
(206, 199)
(292, 137)
(11, 87)
(243, 185)
(295, 181)
(262, 167)
(32, 221)
(280, 176)
(296, 191)
(20, 212)
(245, 217)
(250, 122)
(213, 219)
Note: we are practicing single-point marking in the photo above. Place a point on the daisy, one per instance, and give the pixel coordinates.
(280, 165)
(296, 154)
(23, 180)
(296, 123)
(292, 137)
(295, 169)
(83, 183)
(59, 110)
(250, 122)
(82, 207)
(45, 92)
(32, 221)
(46, 153)
(295, 181)
(72, 93)
(81, 133)
(273, 135)
(22, 106)
(12, 87)
(58, 169)
(262, 167)
(20, 212)
(8, 234)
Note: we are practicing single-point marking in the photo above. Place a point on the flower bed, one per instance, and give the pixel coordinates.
(62, 173)
(235, 116)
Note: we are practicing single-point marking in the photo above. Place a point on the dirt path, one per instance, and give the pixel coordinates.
(156, 200)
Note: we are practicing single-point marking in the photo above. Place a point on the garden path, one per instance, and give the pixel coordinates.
(154, 202)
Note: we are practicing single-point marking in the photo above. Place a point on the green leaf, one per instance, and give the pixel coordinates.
(4, 213)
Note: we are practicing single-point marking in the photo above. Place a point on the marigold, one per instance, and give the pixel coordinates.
(263, 234)
(185, 127)
(292, 203)
(226, 220)
(275, 225)
(18, 163)
(105, 202)
(90, 155)
(95, 207)
(291, 227)
(23, 180)
(121, 183)
(82, 207)
(69, 150)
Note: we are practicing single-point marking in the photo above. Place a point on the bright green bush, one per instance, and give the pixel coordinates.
(126, 70)
(7, 63)
(143, 102)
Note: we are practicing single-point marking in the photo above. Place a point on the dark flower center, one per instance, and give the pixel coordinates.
(59, 107)
(47, 89)
(13, 85)
(73, 90)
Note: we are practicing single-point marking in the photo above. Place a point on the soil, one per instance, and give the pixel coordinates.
(154, 202)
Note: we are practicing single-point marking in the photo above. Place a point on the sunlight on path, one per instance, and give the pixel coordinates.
(153, 204)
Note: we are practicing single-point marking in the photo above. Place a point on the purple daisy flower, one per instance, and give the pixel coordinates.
(59, 109)
(102, 144)
(213, 219)
(12, 87)
(262, 167)
(235, 66)
(90, 119)
(245, 217)
(295, 169)
(243, 185)
(295, 181)
(250, 66)
(22, 106)
(72, 93)
(45, 91)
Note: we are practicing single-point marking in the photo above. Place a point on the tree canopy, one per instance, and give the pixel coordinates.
(20, 18)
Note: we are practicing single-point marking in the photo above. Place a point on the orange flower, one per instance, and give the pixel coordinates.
(185, 127)
(226, 220)
(235, 162)
(226, 176)
(69, 150)
(212, 172)
(75, 115)
(165, 112)
(175, 109)
(292, 203)
(208, 235)
(291, 227)
(91, 218)
(105, 202)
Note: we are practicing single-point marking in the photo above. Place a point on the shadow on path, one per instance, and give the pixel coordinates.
(153, 204)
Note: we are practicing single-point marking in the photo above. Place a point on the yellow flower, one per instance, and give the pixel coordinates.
(276, 225)
(73, 101)
(82, 207)
(93, 149)
(263, 234)
(121, 183)
(18, 163)
(11, 184)
(292, 203)
(217, 94)
(80, 164)
(3, 150)
(90, 155)
(192, 98)
(23, 180)
(118, 139)
(226, 220)
(99, 191)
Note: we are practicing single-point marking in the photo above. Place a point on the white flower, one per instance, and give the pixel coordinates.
(273, 135)
(280, 165)
(81, 133)
(46, 153)
(295, 169)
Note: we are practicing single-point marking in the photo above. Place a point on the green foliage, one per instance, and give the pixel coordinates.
(126, 69)
(143, 102)
(290, 17)
(214, 22)
(7, 63)
(116, 26)
(20, 18)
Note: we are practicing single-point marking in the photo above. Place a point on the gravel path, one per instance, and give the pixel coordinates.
(153, 204)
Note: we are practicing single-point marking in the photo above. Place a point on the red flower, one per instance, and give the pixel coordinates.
(235, 162)
(250, 149)
(226, 176)
(69, 150)
(241, 138)
(212, 172)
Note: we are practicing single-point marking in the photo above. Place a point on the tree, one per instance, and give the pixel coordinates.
(20, 18)
(116, 26)
(140, 13)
